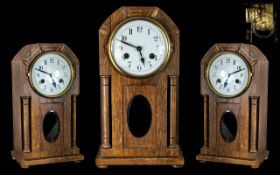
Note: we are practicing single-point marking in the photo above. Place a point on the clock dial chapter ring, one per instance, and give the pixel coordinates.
(139, 47)
(228, 74)
(51, 74)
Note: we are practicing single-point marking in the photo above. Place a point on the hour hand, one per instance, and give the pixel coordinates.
(54, 83)
(225, 83)
(143, 60)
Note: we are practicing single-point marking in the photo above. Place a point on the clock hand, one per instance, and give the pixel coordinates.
(229, 74)
(44, 72)
(54, 83)
(142, 58)
(235, 72)
(143, 61)
(136, 47)
(226, 82)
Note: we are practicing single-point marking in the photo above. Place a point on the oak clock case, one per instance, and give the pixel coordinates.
(139, 70)
(234, 85)
(45, 84)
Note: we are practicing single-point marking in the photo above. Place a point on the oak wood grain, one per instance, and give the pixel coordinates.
(29, 109)
(157, 146)
(250, 108)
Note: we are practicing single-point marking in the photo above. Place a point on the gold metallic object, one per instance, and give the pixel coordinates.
(261, 17)
(160, 28)
(248, 81)
(29, 74)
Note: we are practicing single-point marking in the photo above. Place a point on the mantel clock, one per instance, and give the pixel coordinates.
(45, 84)
(139, 71)
(234, 85)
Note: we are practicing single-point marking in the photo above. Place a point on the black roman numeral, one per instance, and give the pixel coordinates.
(124, 38)
(139, 29)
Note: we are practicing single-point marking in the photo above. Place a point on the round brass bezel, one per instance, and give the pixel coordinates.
(166, 39)
(71, 69)
(250, 74)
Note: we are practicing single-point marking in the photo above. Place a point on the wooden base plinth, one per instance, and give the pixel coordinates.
(254, 163)
(30, 162)
(174, 161)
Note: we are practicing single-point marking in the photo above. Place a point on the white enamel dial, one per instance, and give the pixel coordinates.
(51, 75)
(228, 75)
(139, 47)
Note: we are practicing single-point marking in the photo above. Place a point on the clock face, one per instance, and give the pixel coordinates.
(51, 75)
(139, 47)
(228, 75)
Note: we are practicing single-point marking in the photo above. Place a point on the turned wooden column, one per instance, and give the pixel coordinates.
(26, 124)
(74, 116)
(105, 112)
(173, 136)
(254, 119)
(205, 118)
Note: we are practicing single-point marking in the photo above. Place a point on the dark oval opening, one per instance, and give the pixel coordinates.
(51, 126)
(139, 116)
(228, 126)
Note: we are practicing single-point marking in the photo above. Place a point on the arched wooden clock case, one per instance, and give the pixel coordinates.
(156, 94)
(44, 125)
(235, 128)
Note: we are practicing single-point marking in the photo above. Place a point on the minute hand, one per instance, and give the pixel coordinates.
(136, 47)
(54, 83)
(44, 72)
(235, 72)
